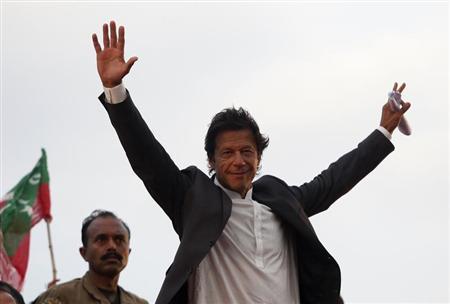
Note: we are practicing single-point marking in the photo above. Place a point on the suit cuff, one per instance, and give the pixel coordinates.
(115, 94)
(385, 132)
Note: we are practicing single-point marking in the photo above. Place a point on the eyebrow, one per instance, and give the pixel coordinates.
(107, 235)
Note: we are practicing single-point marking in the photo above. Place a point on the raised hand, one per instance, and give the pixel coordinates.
(390, 118)
(111, 65)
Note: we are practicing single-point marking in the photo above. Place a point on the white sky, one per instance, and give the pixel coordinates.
(315, 77)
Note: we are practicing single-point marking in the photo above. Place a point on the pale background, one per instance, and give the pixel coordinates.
(315, 77)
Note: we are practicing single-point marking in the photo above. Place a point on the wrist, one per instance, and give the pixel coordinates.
(111, 84)
(385, 132)
(115, 94)
(388, 128)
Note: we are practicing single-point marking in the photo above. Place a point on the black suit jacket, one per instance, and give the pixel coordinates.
(199, 209)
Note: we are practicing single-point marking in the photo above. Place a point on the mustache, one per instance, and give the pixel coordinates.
(111, 255)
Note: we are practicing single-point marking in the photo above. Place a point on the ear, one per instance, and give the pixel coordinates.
(258, 165)
(211, 163)
(82, 251)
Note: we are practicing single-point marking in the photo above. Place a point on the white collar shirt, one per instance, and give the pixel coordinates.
(253, 261)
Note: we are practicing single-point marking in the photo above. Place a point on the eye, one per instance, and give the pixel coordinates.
(248, 152)
(119, 239)
(226, 153)
(102, 238)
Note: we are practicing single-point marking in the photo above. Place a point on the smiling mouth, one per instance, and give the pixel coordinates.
(239, 173)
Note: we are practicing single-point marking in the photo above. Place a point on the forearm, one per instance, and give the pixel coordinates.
(344, 174)
(147, 157)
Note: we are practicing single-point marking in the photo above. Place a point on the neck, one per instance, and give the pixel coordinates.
(244, 193)
(104, 282)
(241, 193)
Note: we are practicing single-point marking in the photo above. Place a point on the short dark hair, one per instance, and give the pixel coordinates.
(5, 287)
(93, 216)
(232, 119)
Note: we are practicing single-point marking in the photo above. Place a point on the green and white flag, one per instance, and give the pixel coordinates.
(20, 209)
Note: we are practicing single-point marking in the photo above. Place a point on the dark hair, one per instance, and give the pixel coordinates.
(5, 287)
(232, 119)
(93, 216)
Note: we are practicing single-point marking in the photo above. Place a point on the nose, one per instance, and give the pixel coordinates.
(111, 245)
(238, 159)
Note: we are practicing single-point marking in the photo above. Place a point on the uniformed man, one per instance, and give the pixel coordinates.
(106, 240)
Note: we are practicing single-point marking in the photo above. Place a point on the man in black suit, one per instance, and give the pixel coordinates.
(241, 241)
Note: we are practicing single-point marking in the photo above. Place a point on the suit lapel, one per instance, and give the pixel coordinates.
(272, 193)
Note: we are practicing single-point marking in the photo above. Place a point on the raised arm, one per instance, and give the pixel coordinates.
(111, 65)
(149, 160)
(342, 175)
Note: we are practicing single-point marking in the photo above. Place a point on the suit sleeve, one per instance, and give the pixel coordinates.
(162, 178)
(342, 175)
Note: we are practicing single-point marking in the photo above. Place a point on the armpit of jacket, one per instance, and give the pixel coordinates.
(199, 209)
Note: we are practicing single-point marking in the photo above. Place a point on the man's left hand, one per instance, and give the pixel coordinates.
(391, 118)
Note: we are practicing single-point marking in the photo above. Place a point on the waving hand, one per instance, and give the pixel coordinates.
(111, 65)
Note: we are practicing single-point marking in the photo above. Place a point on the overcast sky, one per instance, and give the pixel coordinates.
(314, 76)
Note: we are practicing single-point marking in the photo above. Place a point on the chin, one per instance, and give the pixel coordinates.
(235, 187)
(110, 270)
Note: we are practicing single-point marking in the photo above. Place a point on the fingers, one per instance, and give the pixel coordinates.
(400, 89)
(105, 36)
(405, 107)
(97, 47)
(113, 42)
(130, 63)
(112, 26)
(121, 44)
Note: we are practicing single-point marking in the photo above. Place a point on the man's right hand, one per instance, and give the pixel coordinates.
(111, 65)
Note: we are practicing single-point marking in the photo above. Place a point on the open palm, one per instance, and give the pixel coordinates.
(111, 65)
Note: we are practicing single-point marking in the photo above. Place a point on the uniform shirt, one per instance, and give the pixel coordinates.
(83, 290)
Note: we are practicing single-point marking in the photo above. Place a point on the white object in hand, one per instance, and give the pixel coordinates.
(395, 102)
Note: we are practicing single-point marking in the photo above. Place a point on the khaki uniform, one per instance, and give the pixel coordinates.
(83, 291)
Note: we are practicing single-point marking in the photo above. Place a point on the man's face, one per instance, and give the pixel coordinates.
(235, 160)
(107, 246)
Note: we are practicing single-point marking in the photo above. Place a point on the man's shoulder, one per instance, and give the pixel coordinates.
(129, 297)
(269, 185)
(269, 180)
(57, 294)
(68, 285)
(196, 176)
(193, 171)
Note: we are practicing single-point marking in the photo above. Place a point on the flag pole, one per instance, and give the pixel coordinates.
(52, 256)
